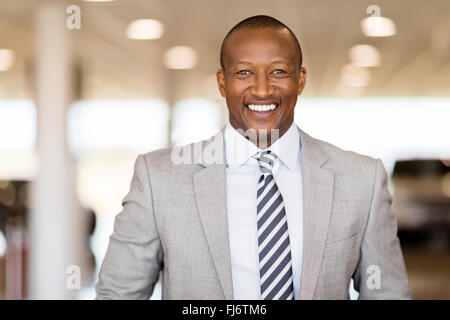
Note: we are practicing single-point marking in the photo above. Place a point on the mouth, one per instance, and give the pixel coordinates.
(262, 108)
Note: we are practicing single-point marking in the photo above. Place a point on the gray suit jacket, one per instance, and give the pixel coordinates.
(174, 219)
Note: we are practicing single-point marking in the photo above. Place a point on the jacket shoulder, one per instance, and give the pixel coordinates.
(180, 159)
(340, 159)
(158, 159)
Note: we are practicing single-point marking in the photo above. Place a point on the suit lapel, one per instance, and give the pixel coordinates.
(318, 184)
(210, 193)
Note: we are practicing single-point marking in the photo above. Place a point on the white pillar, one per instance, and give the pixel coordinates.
(54, 223)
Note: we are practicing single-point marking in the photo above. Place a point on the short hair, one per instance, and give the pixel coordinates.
(259, 22)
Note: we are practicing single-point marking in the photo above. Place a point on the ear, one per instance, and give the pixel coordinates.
(301, 80)
(221, 81)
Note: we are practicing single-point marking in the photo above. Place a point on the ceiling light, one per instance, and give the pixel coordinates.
(364, 55)
(6, 59)
(378, 27)
(180, 57)
(355, 76)
(145, 29)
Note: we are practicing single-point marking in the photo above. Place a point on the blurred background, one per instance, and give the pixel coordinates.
(86, 86)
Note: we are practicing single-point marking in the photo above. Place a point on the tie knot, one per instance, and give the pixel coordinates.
(266, 160)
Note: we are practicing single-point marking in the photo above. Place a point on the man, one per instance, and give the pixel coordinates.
(277, 214)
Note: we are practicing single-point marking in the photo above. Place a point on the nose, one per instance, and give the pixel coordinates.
(261, 88)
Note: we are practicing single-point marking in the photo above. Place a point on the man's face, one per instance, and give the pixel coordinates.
(261, 79)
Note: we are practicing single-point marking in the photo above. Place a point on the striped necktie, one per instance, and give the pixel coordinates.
(274, 248)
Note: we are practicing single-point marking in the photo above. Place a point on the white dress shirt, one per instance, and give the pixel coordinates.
(242, 174)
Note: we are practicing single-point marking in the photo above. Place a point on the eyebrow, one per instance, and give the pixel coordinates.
(273, 62)
(242, 62)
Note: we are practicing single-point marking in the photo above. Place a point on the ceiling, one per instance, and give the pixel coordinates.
(414, 62)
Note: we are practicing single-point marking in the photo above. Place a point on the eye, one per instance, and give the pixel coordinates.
(243, 72)
(279, 71)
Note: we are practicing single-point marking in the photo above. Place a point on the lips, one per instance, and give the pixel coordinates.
(262, 107)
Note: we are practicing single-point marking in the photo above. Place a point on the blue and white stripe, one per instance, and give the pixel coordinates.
(275, 259)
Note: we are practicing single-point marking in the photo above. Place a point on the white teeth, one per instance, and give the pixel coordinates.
(262, 107)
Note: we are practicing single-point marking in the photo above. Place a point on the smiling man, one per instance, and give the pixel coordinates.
(279, 215)
(261, 74)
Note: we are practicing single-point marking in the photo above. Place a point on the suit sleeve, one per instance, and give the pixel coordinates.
(381, 272)
(134, 256)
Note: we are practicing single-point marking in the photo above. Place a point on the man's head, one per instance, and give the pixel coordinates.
(261, 62)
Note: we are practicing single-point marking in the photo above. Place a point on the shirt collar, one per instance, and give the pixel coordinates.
(287, 147)
(239, 150)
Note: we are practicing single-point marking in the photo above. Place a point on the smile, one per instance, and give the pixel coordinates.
(262, 107)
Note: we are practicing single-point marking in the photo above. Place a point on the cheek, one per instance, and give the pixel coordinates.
(290, 92)
(235, 93)
(234, 100)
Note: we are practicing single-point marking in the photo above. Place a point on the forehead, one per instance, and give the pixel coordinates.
(259, 46)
